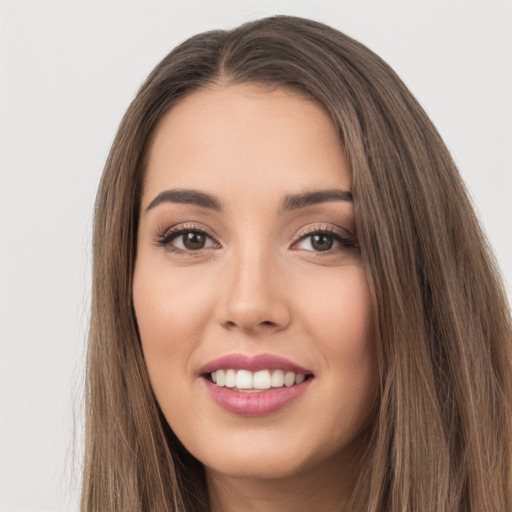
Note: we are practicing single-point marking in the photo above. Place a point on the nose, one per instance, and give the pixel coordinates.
(254, 297)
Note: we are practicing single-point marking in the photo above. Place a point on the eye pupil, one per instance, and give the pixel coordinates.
(193, 240)
(322, 242)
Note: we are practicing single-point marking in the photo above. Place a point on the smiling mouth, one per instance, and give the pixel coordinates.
(256, 382)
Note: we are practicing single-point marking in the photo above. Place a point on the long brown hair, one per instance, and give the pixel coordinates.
(442, 435)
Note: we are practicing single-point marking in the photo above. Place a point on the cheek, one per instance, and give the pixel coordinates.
(341, 320)
(166, 305)
(340, 312)
(170, 319)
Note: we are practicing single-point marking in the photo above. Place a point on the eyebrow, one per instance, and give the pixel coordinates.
(289, 203)
(186, 197)
(296, 201)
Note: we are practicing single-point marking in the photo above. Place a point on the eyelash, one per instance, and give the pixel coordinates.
(165, 238)
(347, 241)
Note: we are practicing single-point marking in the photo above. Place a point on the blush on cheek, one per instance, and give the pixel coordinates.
(165, 310)
(343, 310)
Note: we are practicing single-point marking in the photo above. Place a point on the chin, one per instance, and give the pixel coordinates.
(259, 466)
(272, 455)
(259, 471)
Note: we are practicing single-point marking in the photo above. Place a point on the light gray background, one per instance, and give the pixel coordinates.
(67, 73)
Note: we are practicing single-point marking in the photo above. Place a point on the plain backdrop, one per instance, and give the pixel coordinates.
(69, 69)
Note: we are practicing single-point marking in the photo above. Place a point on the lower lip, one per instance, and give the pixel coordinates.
(257, 403)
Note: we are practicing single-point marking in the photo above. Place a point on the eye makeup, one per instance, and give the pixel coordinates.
(195, 238)
(191, 239)
(322, 234)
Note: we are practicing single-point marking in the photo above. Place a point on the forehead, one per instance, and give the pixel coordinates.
(238, 137)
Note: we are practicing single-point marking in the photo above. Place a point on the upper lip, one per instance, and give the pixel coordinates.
(253, 363)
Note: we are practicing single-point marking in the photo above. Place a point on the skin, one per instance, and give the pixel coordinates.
(259, 285)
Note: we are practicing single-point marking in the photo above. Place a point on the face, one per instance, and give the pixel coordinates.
(249, 291)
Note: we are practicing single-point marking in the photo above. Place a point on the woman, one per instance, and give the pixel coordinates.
(294, 306)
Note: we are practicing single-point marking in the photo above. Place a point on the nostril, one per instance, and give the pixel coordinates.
(257, 314)
(268, 323)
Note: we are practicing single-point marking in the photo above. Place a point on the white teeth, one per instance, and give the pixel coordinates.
(221, 378)
(278, 379)
(230, 381)
(289, 379)
(243, 379)
(261, 380)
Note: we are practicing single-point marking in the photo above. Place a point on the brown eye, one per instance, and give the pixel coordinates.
(321, 242)
(193, 240)
(183, 240)
(325, 241)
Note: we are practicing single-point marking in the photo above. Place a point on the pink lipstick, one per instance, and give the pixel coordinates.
(254, 385)
(253, 363)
